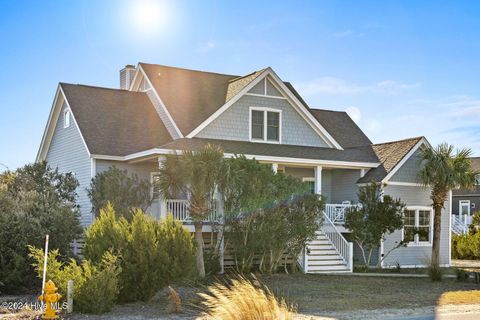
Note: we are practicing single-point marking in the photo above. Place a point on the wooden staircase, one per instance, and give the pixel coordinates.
(329, 252)
(321, 256)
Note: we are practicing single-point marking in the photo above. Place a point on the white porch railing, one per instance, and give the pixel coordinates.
(460, 223)
(344, 248)
(180, 211)
(336, 211)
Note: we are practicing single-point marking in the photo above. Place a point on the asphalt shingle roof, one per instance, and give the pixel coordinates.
(356, 154)
(190, 96)
(115, 122)
(121, 122)
(389, 154)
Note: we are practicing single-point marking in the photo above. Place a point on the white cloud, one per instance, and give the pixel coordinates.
(354, 113)
(338, 86)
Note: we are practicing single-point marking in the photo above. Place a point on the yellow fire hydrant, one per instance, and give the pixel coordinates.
(50, 298)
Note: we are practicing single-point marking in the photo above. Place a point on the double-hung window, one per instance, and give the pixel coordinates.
(417, 225)
(265, 125)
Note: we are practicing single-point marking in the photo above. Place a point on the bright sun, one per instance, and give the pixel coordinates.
(148, 16)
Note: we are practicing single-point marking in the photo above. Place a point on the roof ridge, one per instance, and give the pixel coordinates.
(98, 87)
(247, 75)
(397, 141)
(328, 110)
(186, 69)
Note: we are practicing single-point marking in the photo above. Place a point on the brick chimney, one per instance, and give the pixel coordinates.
(126, 76)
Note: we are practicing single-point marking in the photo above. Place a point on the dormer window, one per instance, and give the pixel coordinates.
(66, 118)
(265, 125)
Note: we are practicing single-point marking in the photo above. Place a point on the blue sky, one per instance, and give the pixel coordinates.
(400, 68)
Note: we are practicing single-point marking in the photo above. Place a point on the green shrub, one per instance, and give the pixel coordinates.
(466, 246)
(125, 192)
(35, 200)
(142, 262)
(96, 286)
(107, 233)
(152, 253)
(100, 289)
(178, 243)
(265, 235)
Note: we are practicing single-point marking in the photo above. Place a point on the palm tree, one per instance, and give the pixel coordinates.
(196, 175)
(442, 171)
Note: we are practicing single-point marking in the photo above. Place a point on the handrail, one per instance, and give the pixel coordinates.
(180, 210)
(459, 226)
(336, 211)
(343, 247)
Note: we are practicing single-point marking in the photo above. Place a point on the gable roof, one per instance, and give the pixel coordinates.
(236, 85)
(190, 96)
(390, 155)
(115, 122)
(341, 127)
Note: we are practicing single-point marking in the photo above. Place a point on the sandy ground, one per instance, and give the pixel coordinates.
(139, 312)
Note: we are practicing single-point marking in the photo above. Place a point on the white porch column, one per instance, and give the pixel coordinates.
(275, 167)
(162, 204)
(318, 179)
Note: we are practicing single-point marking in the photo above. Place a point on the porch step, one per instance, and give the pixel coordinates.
(322, 252)
(325, 262)
(323, 257)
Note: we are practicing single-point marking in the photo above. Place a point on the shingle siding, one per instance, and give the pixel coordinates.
(272, 91)
(233, 124)
(344, 187)
(68, 153)
(408, 171)
(416, 255)
(259, 88)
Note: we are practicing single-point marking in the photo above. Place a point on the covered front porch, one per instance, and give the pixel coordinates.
(337, 184)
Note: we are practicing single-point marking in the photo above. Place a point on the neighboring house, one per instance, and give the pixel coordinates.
(466, 202)
(160, 110)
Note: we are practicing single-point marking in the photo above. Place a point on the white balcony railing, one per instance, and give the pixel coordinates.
(336, 211)
(180, 210)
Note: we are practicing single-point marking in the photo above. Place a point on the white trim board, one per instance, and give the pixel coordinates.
(265, 111)
(280, 160)
(297, 105)
(134, 87)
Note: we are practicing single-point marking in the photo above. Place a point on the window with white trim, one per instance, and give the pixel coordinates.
(417, 225)
(464, 207)
(265, 125)
(477, 179)
(66, 118)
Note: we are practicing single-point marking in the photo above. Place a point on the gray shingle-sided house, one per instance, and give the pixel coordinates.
(159, 110)
(466, 202)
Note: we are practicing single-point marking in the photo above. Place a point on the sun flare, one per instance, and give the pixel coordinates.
(148, 16)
